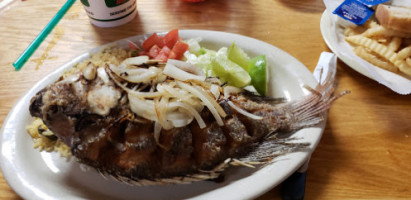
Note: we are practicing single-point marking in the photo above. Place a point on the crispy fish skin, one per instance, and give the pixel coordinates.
(119, 145)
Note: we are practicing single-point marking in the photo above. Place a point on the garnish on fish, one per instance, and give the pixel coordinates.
(146, 122)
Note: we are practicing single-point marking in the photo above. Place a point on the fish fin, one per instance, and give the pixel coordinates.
(213, 174)
(272, 147)
(311, 109)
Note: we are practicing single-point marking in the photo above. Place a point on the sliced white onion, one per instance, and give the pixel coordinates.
(130, 72)
(137, 93)
(213, 101)
(145, 94)
(180, 122)
(179, 118)
(215, 90)
(70, 79)
(184, 96)
(123, 71)
(143, 108)
(142, 78)
(90, 72)
(138, 75)
(179, 74)
(244, 112)
(139, 60)
(79, 88)
(212, 106)
(188, 67)
(101, 73)
(190, 110)
(228, 90)
(160, 107)
(157, 131)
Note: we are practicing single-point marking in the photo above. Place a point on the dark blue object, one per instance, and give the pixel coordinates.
(354, 11)
(293, 188)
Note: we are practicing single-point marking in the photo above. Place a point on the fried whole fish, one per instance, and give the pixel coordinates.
(145, 122)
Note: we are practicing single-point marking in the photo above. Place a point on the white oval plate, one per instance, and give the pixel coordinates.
(41, 175)
(334, 37)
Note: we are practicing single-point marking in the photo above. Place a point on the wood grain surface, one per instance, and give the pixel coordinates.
(365, 152)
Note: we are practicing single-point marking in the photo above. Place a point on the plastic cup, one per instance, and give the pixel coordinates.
(110, 13)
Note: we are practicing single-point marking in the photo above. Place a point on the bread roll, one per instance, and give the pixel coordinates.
(394, 17)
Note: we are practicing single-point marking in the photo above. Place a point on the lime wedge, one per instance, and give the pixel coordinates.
(237, 55)
(230, 72)
(257, 71)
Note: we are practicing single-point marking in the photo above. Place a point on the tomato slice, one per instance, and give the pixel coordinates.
(154, 51)
(162, 48)
(178, 50)
(171, 38)
(153, 40)
(163, 54)
(160, 43)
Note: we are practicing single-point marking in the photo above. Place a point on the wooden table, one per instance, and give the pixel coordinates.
(365, 152)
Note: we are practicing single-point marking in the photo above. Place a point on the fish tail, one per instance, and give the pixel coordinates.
(311, 110)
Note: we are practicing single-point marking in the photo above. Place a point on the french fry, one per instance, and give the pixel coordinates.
(374, 31)
(395, 43)
(404, 67)
(374, 46)
(404, 53)
(369, 57)
(371, 24)
(381, 47)
(382, 31)
(382, 39)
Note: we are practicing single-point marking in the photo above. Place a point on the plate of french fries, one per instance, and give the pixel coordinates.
(371, 49)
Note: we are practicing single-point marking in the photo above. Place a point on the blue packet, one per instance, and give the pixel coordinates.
(354, 11)
(371, 3)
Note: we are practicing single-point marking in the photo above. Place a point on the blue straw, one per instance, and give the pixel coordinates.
(18, 64)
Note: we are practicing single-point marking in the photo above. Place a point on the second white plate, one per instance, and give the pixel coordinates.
(334, 37)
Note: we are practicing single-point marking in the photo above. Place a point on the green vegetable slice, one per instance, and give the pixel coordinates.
(257, 71)
(230, 72)
(237, 55)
